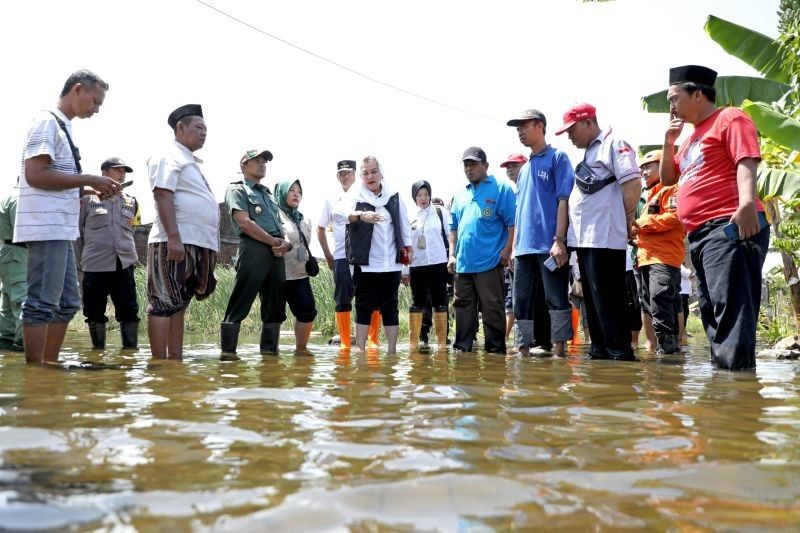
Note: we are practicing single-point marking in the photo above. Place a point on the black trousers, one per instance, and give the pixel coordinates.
(429, 282)
(603, 280)
(729, 291)
(661, 286)
(482, 291)
(120, 285)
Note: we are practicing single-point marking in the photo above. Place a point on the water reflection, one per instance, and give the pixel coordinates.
(421, 440)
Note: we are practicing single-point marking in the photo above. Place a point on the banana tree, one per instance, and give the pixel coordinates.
(776, 187)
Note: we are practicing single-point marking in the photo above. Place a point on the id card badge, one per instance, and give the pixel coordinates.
(302, 254)
(421, 242)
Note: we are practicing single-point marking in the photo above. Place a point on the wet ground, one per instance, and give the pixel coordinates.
(409, 442)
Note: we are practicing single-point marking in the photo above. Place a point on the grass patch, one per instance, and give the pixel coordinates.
(204, 317)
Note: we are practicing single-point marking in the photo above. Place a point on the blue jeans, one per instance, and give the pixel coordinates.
(529, 271)
(53, 294)
(729, 273)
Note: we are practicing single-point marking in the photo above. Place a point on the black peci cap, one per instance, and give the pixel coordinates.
(184, 111)
(694, 74)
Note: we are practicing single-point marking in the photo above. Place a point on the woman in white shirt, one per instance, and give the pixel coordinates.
(297, 289)
(377, 243)
(428, 269)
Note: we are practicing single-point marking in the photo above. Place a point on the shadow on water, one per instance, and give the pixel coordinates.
(332, 440)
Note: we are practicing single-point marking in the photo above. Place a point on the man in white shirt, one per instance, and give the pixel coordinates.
(46, 221)
(333, 216)
(184, 240)
(602, 208)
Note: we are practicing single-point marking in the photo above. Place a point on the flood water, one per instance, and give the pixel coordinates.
(408, 442)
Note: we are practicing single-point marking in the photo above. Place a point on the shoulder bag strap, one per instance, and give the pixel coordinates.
(76, 154)
(444, 237)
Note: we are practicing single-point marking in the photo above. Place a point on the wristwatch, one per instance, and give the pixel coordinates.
(561, 239)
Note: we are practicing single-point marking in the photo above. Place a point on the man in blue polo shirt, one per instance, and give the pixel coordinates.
(481, 234)
(540, 254)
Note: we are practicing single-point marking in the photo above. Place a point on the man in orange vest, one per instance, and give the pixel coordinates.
(661, 251)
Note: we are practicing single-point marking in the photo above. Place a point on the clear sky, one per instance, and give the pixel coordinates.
(494, 59)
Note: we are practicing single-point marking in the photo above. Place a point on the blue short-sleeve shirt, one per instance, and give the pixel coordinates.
(543, 181)
(481, 215)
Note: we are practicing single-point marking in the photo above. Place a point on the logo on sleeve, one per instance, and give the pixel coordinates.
(672, 202)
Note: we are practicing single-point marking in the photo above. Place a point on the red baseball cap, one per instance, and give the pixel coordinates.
(576, 113)
(514, 158)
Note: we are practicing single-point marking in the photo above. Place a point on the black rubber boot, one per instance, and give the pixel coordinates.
(229, 339)
(270, 334)
(97, 331)
(129, 333)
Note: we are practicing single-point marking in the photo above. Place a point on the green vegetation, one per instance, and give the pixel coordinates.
(204, 317)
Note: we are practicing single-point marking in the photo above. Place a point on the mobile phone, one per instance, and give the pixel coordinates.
(551, 264)
(731, 231)
(126, 184)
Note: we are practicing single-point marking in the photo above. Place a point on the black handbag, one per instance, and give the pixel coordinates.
(588, 182)
(312, 265)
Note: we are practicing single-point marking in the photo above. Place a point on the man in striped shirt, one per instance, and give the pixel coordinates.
(47, 215)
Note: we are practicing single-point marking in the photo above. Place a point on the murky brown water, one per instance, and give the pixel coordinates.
(420, 442)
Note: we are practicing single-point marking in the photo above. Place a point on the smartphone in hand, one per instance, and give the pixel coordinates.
(731, 231)
(551, 264)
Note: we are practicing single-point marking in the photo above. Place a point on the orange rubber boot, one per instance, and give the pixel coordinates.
(343, 327)
(374, 330)
(576, 322)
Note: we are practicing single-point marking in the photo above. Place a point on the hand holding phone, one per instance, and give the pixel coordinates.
(551, 264)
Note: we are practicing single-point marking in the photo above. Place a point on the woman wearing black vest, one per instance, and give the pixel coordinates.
(377, 243)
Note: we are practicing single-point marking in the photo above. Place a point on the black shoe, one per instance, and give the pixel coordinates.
(97, 332)
(129, 333)
(6, 344)
(229, 339)
(270, 335)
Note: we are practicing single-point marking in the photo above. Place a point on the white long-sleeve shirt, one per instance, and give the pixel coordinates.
(427, 223)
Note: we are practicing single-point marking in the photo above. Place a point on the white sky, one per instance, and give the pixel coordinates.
(493, 58)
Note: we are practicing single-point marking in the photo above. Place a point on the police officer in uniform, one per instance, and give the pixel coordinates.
(106, 253)
(259, 262)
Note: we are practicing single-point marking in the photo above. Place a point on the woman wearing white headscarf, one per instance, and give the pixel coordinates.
(377, 243)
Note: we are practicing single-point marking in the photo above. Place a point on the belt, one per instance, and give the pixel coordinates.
(12, 243)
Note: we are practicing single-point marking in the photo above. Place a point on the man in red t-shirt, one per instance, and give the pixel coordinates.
(715, 169)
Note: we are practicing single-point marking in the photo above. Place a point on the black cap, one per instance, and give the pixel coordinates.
(421, 184)
(115, 162)
(184, 111)
(694, 74)
(528, 114)
(475, 154)
(346, 164)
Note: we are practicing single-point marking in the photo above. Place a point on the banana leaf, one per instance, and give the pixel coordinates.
(780, 128)
(763, 53)
(779, 184)
(644, 148)
(731, 92)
